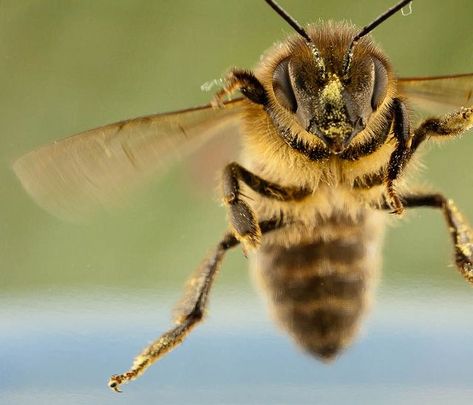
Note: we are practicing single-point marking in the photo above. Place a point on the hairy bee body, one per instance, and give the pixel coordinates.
(318, 272)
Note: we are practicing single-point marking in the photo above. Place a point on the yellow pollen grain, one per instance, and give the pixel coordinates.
(332, 92)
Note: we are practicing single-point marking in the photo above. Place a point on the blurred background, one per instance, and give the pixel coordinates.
(78, 301)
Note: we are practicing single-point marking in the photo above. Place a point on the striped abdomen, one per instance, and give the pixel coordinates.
(320, 289)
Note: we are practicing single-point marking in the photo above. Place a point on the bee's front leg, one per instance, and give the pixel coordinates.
(451, 125)
(400, 155)
(242, 218)
(244, 81)
(240, 215)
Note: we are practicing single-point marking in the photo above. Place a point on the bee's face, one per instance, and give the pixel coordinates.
(325, 102)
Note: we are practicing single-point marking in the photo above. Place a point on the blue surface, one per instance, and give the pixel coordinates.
(63, 352)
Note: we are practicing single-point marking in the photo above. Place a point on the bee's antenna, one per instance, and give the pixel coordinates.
(291, 21)
(368, 28)
(301, 31)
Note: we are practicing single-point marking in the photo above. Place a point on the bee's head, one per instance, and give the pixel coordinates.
(328, 102)
(331, 78)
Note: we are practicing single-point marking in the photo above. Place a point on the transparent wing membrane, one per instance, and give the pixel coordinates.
(438, 95)
(72, 177)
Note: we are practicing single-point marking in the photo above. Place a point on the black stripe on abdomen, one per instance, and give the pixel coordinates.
(319, 290)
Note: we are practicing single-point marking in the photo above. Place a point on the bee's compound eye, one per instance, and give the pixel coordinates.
(380, 84)
(282, 86)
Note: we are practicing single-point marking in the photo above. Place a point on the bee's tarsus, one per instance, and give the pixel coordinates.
(395, 202)
(114, 382)
(453, 124)
(246, 82)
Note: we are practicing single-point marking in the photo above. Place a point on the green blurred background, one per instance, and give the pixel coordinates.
(67, 66)
(72, 65)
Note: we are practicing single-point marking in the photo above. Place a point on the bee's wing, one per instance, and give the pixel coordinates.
(72, 177)
(438, 94)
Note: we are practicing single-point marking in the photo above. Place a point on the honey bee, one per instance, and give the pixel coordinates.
(327, 143)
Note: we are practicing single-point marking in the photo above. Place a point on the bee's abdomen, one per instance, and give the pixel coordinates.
(320, 289)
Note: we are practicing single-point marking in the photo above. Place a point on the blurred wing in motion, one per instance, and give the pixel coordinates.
(72, 177)
(438, 95)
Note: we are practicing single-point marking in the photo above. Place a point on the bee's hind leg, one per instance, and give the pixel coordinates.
(459, 229)
(189, 312)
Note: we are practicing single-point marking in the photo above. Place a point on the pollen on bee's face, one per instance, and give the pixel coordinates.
(333, 106)
(332, 92)
(332, 100)
(337, 130)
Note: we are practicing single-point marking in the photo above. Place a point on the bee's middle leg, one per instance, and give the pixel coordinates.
(460, 231)
(242, 218)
